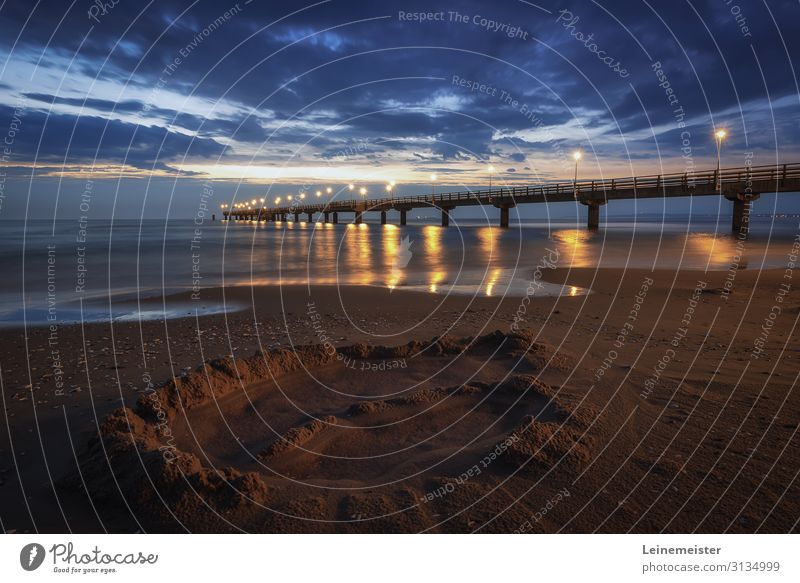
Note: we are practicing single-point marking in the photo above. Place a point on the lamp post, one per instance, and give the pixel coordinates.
(491, 171)
(577, 154)
(720, 135)
(362, 191)
(389, 190)
(433, 184)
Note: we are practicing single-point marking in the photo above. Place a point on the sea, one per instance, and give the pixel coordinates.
(91, 271)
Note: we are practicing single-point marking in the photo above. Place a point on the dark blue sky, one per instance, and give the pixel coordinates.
(139, 104)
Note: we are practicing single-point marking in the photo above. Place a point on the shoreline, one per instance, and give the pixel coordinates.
(575, 277)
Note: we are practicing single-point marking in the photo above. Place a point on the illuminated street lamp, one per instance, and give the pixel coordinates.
(433, 184)
(362, 191)
(302, 195)
(720, 135)
(329, 190)
(576, 155)
(389, 190)
(351, 187)
(289, 197)
(319, 193)
(277, 200)
(491, 171)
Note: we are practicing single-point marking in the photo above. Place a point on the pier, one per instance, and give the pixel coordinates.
(740, 186)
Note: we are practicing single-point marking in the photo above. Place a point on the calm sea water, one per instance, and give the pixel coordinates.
(72, 269)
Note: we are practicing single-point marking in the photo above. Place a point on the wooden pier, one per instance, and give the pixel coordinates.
(741, 186)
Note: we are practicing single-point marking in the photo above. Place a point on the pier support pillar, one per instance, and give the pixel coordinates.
(741, 213)
(213, 217)
(383, 217)
(309, 217)
(296, 217)
(359, 217)
(335, 217)
(593, 206)
(594, 217)
(446, 216)
(504, 207)
(403, 217)
(504, 217)
(326, 216)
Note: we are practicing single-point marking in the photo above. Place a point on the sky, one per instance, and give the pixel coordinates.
(136, 109)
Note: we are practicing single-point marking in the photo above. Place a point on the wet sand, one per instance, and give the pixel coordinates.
(683, 422)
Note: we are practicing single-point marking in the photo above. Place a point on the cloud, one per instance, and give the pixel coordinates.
(68, 139)
(276, 87)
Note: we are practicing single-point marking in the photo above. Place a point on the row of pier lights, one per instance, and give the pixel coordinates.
(256, 208)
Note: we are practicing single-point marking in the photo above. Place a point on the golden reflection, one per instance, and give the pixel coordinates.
(391, 247)
(492, 281)
(397, 253)
(358, 253)
(717, 251)
(437, 277)
(488, 237)
(325, 247)
(573, 243)
(433, 242)
(574, 291)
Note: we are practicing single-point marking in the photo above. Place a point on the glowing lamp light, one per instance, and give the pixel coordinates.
(363, 191)
(577, 155)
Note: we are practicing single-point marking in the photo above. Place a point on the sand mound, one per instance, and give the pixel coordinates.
(297, 436)
(219, 377)
(321, 473)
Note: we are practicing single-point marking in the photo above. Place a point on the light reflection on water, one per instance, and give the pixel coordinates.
(149, 259)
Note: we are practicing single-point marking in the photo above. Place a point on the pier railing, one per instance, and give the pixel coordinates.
(741, 185)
